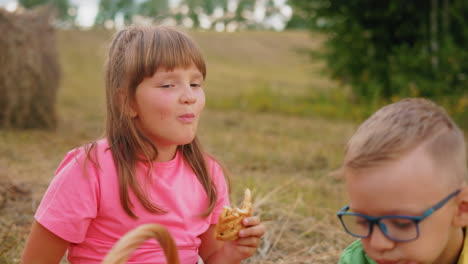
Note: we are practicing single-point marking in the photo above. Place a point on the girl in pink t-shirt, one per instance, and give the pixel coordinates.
(150, 167)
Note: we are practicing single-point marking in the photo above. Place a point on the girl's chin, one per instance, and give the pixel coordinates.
(185, 142)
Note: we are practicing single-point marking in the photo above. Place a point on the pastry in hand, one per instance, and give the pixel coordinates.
(230, 220)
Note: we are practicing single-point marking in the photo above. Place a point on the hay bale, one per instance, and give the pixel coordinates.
(29, 69)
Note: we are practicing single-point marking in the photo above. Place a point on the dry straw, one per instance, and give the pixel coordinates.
(29, 69)
(129, 242)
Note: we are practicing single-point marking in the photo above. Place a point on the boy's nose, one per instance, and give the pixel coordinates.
(378, 241)
(188, 96)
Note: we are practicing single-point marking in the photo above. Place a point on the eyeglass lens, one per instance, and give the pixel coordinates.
(394, 228)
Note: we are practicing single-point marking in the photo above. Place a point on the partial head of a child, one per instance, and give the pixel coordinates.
(406, 172)
(153, 78)
(153, 81)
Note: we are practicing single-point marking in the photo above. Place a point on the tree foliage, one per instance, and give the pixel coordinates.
(61, 7)
(109, 9)
(394, 48)
(153, 8)
(206, 14)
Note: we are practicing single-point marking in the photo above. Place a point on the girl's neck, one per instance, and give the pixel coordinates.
(166, 153)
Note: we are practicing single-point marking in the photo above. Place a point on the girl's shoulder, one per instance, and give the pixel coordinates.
(213, 163)
(211, 160)
(217, 170)
(93, 154)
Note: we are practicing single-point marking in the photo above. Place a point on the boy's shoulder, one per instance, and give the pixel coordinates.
(463, 258)
(354, 254)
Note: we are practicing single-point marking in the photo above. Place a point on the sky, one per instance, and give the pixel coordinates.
(87, 10)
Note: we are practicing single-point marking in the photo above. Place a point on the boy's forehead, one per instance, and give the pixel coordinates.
(415, 166)
(391, 198)
(411, 180)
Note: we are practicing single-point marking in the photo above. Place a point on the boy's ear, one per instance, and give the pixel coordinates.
(461, 218)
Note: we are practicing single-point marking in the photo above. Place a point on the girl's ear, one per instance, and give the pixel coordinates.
(132, 112)
(129, 107)
(461, 218)
(132, 108)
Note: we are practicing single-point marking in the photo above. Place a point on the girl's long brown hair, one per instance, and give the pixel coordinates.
(136, 53)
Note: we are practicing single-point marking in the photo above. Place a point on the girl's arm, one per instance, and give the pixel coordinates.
(43, 246)
(213, 251)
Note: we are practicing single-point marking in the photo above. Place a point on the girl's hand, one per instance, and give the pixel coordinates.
(215, 251)
(249, 239)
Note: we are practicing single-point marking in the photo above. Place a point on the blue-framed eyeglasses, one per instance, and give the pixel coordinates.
(399, 228)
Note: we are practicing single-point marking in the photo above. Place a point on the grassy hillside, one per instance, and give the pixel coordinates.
(261, 121)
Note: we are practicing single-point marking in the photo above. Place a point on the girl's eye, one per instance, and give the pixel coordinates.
(195, 85)
(166, 86)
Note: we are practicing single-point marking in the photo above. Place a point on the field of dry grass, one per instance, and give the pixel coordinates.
(285, 159)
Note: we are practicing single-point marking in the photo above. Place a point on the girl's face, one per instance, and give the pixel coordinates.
(168, 105)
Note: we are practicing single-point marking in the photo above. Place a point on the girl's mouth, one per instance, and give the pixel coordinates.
(187, 118)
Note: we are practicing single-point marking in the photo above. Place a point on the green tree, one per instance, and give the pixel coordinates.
(243, 5)
(153, 8)
(61, 7)
(299, 19)
(109, 9)
(106, 11)
(205, 6)
(394, 48)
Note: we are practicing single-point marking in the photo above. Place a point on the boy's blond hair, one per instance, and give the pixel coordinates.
(399, 128)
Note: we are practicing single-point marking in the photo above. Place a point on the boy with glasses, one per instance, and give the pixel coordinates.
(406, 173)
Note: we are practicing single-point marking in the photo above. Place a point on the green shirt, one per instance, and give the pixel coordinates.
(354, 254)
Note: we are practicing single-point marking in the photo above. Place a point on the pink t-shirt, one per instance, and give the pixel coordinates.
(86, 211)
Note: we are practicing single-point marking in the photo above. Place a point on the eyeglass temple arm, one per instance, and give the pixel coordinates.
(344, 209)
(440, 204)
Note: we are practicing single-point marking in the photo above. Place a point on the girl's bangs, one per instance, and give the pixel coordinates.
(173, 49)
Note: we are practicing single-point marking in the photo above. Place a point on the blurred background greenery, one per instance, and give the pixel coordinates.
(288, 82)
(378, 52)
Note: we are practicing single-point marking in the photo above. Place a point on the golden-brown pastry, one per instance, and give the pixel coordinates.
(230, 220)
